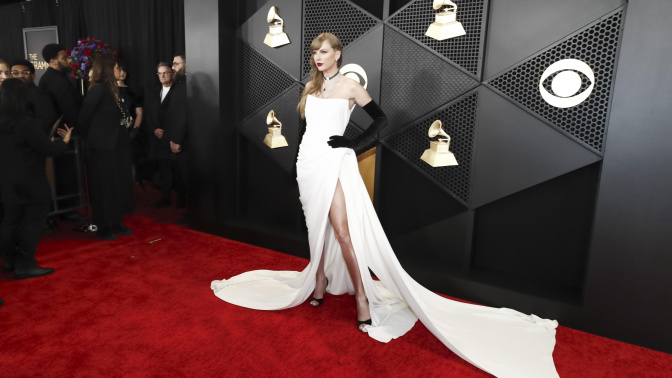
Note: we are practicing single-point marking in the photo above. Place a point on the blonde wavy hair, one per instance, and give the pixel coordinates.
(313, 87)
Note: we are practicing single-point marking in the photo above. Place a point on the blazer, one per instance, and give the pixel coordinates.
(23, 147)
(42, 107)
(169, 115)
(63, 94)
(100, 119)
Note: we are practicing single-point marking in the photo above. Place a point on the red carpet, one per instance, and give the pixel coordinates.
(142, 307)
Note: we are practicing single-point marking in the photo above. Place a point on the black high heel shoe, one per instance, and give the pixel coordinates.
(360, 322)
(319, 301)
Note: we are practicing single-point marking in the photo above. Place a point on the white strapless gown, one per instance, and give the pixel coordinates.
(501, 341)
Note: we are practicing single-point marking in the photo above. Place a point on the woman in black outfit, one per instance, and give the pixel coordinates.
(103, 125)
(24, 190)
(133, 102)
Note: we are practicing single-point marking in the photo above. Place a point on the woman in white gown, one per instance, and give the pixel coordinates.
(346, 240)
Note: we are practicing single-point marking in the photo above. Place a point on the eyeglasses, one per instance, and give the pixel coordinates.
(164, 73)
(20, 73)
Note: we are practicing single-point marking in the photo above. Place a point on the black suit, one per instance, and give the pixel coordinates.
(63, 94)
(66, 101)
(171, 116)
(42, 107)
(24, 191)
(109, 157)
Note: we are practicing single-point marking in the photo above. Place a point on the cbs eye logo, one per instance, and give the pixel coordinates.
(569, 77)
(356, 73)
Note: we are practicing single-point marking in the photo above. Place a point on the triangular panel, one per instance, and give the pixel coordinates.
(518, 29)
(339, 17)
(458, 120)
(596, 46)
(415, 81)
(518, 151)
(253, 32)
(255, 128)
(260, 81)
(466, 50)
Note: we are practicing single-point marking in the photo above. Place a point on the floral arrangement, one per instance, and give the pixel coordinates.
(82, 55)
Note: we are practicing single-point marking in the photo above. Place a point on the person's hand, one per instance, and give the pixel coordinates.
(158, 133)
(337, 141)
(175, 147)
(65, 133)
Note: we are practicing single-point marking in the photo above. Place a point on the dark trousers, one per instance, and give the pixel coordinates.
(169, 172)
(21, 225)
(65, 179)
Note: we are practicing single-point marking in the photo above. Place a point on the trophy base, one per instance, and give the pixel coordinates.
(438, 159)
(441, 31)
(275, 141)
(276, 40)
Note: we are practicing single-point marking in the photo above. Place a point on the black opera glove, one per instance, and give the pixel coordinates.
(369, 138)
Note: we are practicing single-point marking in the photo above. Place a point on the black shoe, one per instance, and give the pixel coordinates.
(105, 233)
(160, 203)
(122, 230)
(32, 272)
(360, 322)
(320, 300)
(73, 217)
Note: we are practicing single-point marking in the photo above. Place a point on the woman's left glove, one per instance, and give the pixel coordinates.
(369, 138)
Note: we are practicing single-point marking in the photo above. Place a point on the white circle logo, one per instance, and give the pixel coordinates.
(567, 83)
(356, 73)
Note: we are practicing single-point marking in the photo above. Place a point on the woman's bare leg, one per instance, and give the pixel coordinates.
(339, 220)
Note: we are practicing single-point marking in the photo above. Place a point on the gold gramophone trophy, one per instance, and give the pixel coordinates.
(445, 23)
(438, 154)
(274, 138)
(276, 36)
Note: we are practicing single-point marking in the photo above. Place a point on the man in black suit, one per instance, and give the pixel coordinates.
(67, 102)
(41, 105)
(165, 110)
(178, 140)
(56, 83)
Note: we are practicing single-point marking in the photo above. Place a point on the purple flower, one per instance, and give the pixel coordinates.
(83, 66)
(103, 51)
(93, 46)
(84, 59)
(82, 74)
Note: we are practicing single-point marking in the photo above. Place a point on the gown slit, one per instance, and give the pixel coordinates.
(501, 341)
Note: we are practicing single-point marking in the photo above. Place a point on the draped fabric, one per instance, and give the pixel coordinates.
(145, 32)
(501, 341)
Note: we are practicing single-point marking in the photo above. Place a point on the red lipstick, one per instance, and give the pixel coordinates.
(319, 64)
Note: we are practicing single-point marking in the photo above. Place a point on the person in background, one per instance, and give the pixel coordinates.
(40, 103)
(178, 140)
(164, 112)
(133, 102)
(103, 125)
(67, 101)
(4, 74)
(24, 192)
(4, 71)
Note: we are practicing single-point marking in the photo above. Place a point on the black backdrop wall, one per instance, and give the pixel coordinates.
(145, 31)
(534, 217)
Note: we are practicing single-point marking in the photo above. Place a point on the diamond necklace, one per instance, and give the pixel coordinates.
(330, 82)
